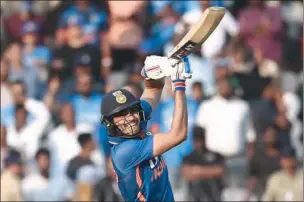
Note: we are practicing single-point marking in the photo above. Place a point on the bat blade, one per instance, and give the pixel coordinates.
(199, 32)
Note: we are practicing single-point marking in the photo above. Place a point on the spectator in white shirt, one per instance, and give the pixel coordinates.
(226, 120)
(63, 144)
(216, 41)
(39, 186)
(25, 136)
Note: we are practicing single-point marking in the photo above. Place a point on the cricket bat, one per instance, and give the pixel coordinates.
(198, 33)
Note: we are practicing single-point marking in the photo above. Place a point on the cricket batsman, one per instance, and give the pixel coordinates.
(141, 171)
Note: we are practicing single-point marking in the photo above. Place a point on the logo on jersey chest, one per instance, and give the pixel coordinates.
(158, 166)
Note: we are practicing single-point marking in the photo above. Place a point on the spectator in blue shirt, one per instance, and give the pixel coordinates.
(35, 55)
(161, 121)
(18, 71)
(86, 102)
(95, 20)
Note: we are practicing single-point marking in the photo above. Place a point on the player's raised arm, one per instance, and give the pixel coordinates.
(156, 67)
(179, 125)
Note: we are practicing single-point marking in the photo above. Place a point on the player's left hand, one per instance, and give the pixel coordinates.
(156, 67)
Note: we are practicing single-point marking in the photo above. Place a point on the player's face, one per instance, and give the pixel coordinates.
(128, 122)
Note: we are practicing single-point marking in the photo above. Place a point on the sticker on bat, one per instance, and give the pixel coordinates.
(185, 50)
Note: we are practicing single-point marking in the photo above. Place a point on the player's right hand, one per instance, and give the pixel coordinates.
(180, 69)
(156, 67)
(179, 73)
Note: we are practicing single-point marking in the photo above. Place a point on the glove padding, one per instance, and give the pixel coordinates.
(180, 69)
(156, 67)
(179, 73)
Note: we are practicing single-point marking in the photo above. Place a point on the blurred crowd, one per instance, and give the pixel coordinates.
(245, 100)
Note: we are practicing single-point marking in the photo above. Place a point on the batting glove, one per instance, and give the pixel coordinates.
(156, 67)
(179, 73)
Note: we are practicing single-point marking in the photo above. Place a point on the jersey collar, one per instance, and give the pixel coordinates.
(117, 140)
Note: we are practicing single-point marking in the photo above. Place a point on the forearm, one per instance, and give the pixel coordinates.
(180, 117)
(152, 92)
(38, 109)
(49, 100)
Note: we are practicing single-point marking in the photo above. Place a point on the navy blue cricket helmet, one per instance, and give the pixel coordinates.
(115, 102)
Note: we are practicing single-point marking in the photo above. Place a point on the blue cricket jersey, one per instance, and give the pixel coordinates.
(140, 176)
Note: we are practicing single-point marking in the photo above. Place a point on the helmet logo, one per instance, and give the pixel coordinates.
(120, 98)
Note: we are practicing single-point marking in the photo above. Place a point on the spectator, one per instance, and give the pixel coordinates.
(19, 98)
(264, 30)
(265, 161)
(35, 55)
(6, 94)
(160, 122)
(25, 136)
(14, 22)
(283, 127)
(226, 120)
(264, 110)
(95, 23)
(67, 131)
(10, 178)
(107, 188)
(286, 184)
(19, 71)
(125, 35)
(86, 103)
(198, 92)
(76, 52)
(40, 185)
(81, 169)
(247, 68)
(204, 170)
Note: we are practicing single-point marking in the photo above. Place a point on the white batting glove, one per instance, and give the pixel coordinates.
(179, 73)
(156, 67)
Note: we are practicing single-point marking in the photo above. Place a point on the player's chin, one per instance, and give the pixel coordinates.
(133, 131)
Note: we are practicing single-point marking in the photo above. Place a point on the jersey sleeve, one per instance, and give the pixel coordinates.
(130, 153)
(147, 109)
